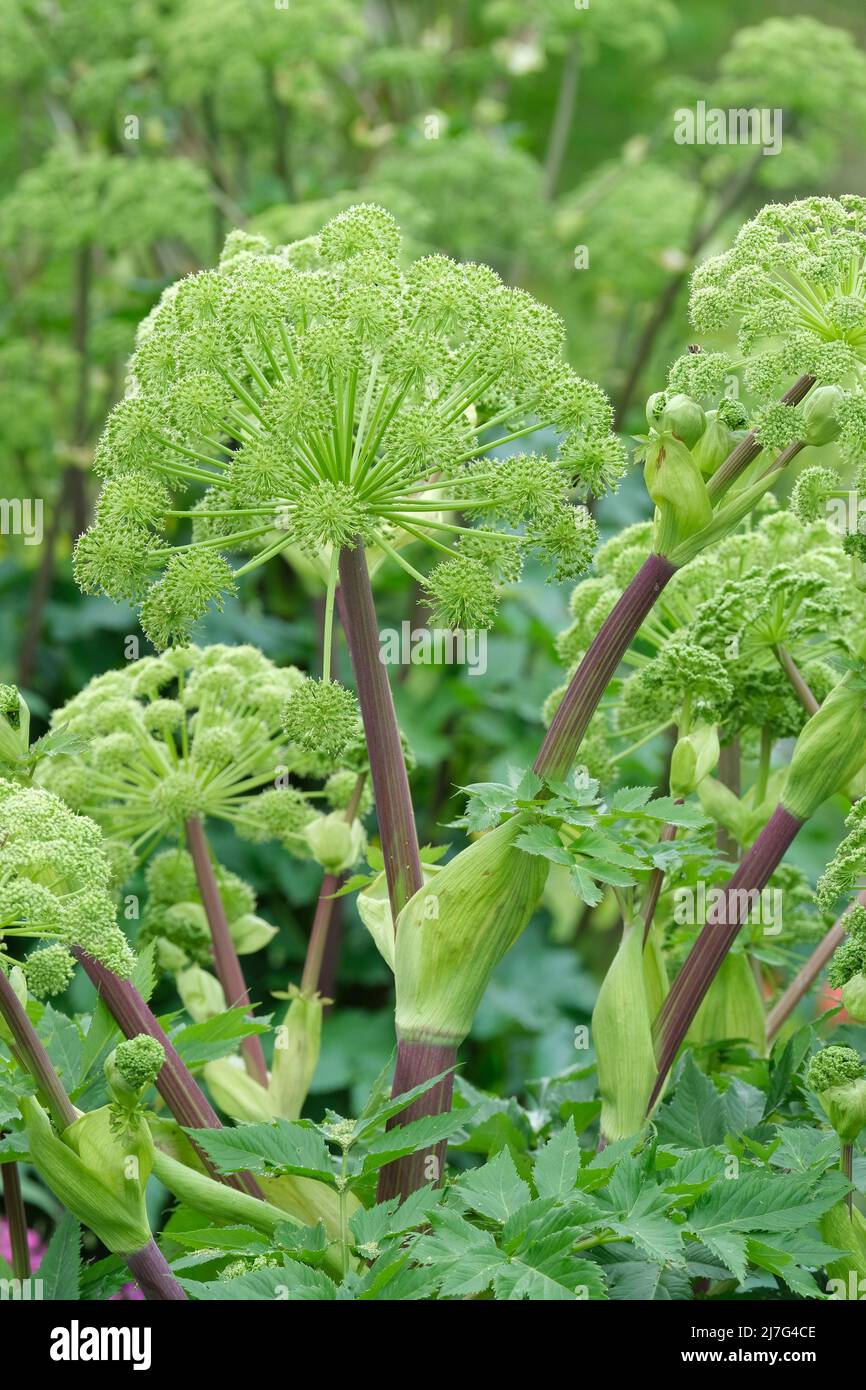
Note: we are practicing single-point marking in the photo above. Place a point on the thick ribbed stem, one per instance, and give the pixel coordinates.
(810, 970)
(16, 1220)
(226, 960)
(717, 936)
(387, 765)
(153, 1276)
(748, 449)
(591, 679)
(34, 1058)
(416, 1063)
(176, 1084)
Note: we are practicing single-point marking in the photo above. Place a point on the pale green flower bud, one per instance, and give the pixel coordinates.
(821, 415)
(684, 418)
(201, 993)
(694, 757)
(236, 1093)
(251, 933)
(836, 1075)
(14, 725)
(854, 997)
(714, 445)
(99, 1174)
(374, 909)
(334, 843)
(830, 751)
(629, 999)
(454, 930)
(297, 1044)
(673, 481)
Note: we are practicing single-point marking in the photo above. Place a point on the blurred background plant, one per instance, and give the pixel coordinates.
(537, 137)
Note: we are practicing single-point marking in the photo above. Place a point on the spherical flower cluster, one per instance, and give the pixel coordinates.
(794, 281)
(138, 1060)
(49, 970)
(317, 395)
(194, 732)
(56, 881)
(833, 1066)
(322, 716)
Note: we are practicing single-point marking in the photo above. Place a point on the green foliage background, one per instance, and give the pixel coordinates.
(511, 131)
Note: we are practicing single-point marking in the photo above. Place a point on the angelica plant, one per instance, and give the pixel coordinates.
(194, 734)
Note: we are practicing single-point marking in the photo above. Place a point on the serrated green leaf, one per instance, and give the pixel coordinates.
(557, 1165)
(695, 1117)
(289, 1281)
(60, 1270)
(278, 1147)
(494, 1190)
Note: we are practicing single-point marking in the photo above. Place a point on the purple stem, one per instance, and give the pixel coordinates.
(33, 1056)
(175, 1082)
(417, 1062)
(153, 1276)
(387, 765)
(717, 936)
(748, 448)
(16, 1220)
(591, 679)
(226, 961)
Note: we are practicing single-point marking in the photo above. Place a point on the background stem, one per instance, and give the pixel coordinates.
(226, 961)
(16, 1219)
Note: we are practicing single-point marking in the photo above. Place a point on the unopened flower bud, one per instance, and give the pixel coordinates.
(714, 445)
(296, 1054)
(821, 414)
(334, 843)
(732, 1007)
(201, 993)
(629, 999)
(836, 1075)
(694, 757)
(236, 1093)
(830, 750)
(673, 481)
(251, 933)
(684, 418)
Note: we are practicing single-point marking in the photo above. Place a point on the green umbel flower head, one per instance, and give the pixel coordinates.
(794, 281)
(56, 881)
(320, 396)
(195, 732)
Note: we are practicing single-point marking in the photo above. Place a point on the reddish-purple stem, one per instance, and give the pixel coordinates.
(599, 664)
(384, 749)
(416, 1063)
(226, 961)
(717, 936)
(175, 1082)
(153, 1276)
